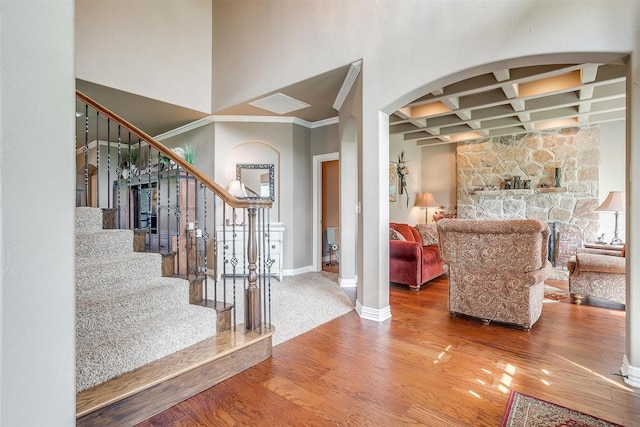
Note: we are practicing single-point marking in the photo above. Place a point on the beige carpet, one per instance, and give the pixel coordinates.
(299, 303)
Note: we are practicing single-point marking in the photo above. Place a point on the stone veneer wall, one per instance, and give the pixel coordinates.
(483, 166)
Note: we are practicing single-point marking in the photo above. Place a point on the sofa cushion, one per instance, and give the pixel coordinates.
(429, 234)
(410, 233)
(430, 254)
(395, 235)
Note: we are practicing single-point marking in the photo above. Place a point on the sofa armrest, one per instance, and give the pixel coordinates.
(599, 263)
(539, 275)
(595, 251)
(403, 249)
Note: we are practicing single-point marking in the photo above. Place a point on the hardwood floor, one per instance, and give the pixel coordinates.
(424, 367)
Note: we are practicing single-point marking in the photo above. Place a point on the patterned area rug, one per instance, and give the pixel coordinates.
(527, 411)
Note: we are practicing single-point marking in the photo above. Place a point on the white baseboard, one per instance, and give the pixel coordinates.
(375, 314)
(348, 283)
(296, 271)
(631, 373)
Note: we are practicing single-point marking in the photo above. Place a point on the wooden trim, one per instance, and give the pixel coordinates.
(139, 394)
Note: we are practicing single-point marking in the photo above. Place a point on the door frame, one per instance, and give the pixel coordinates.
(317, 206)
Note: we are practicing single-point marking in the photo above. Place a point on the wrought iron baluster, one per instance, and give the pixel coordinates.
(86, 155)
(109, 190)
(159, 205)
(147, 243)
(118, 177)
(97, 159)
(177, 215)
(270, 263)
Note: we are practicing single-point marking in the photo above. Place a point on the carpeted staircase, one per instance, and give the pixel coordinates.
(127, 314)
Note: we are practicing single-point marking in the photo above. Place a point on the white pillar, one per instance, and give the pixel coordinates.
(631, 361)
(348, 205)
(373, 261)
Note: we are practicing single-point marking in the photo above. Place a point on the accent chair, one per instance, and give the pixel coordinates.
(496, 268)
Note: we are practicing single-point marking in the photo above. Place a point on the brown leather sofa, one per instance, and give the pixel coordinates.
(411, 262)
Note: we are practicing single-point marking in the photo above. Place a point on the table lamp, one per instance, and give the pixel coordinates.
(614, 203)
(426, 201)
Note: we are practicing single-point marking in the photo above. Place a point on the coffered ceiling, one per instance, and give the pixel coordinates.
(503, 102)
(516, 100)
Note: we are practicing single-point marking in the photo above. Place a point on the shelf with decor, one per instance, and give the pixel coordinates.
(520, 191)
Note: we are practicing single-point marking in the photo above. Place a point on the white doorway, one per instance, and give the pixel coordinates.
(318, 228)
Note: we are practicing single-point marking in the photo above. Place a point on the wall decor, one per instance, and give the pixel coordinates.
(403, 171)
(393, 182)
(258, 180)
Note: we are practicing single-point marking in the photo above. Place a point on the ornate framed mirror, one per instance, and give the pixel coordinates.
(258, 180)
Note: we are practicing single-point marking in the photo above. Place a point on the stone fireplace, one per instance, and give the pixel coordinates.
(483, 168)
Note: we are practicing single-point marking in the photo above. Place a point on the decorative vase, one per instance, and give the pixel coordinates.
(558, 174)
(516, 182)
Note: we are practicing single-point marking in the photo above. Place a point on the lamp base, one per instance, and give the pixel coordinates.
(616, 241)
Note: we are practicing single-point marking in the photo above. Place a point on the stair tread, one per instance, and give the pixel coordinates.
(171, 366)
(129, 287)
(116, 258)
(153, 338)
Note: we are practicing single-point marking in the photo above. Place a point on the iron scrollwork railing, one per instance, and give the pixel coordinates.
(172, 206)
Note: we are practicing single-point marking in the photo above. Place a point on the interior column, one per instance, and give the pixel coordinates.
(631, 361)
(373, 222)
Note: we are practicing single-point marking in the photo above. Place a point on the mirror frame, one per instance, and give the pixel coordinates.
(266, 166)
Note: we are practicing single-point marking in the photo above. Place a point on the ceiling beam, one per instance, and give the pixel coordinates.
(502, 75)
(510, 90)
(588, 74)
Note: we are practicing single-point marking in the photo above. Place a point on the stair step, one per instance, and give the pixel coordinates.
(106, 243)
(95, 275)
(137, 395)
(142, 300)
(88, 219)
(158, 321)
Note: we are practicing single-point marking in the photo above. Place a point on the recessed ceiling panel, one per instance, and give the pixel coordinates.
(279, 103)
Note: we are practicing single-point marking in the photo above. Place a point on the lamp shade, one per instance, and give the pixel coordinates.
(236, 189)
(614, 202)
(426, 200)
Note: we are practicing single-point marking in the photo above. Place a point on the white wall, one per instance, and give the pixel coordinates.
(439, 175)
(37, 181)
(399, 211)
(612, 174)
(293, 182)
(160, 49)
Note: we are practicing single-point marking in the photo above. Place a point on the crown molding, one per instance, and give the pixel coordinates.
(349, 80)
(186, 128)
(245, 119)
(325, 122)
(272, 119)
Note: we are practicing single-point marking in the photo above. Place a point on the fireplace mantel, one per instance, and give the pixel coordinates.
(521, 191)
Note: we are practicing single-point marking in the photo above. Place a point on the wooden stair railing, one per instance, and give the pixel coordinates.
(120, 182)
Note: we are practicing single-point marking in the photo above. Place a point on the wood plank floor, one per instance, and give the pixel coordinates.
(424, 367)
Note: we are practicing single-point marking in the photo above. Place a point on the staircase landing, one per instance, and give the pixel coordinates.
(146, 391)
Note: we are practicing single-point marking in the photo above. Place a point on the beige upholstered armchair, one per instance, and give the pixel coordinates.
(496, 268)
(599, 273)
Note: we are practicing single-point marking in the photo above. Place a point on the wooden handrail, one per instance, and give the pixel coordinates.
(204, 179)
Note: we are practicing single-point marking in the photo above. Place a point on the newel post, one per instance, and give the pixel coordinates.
(252, 293)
